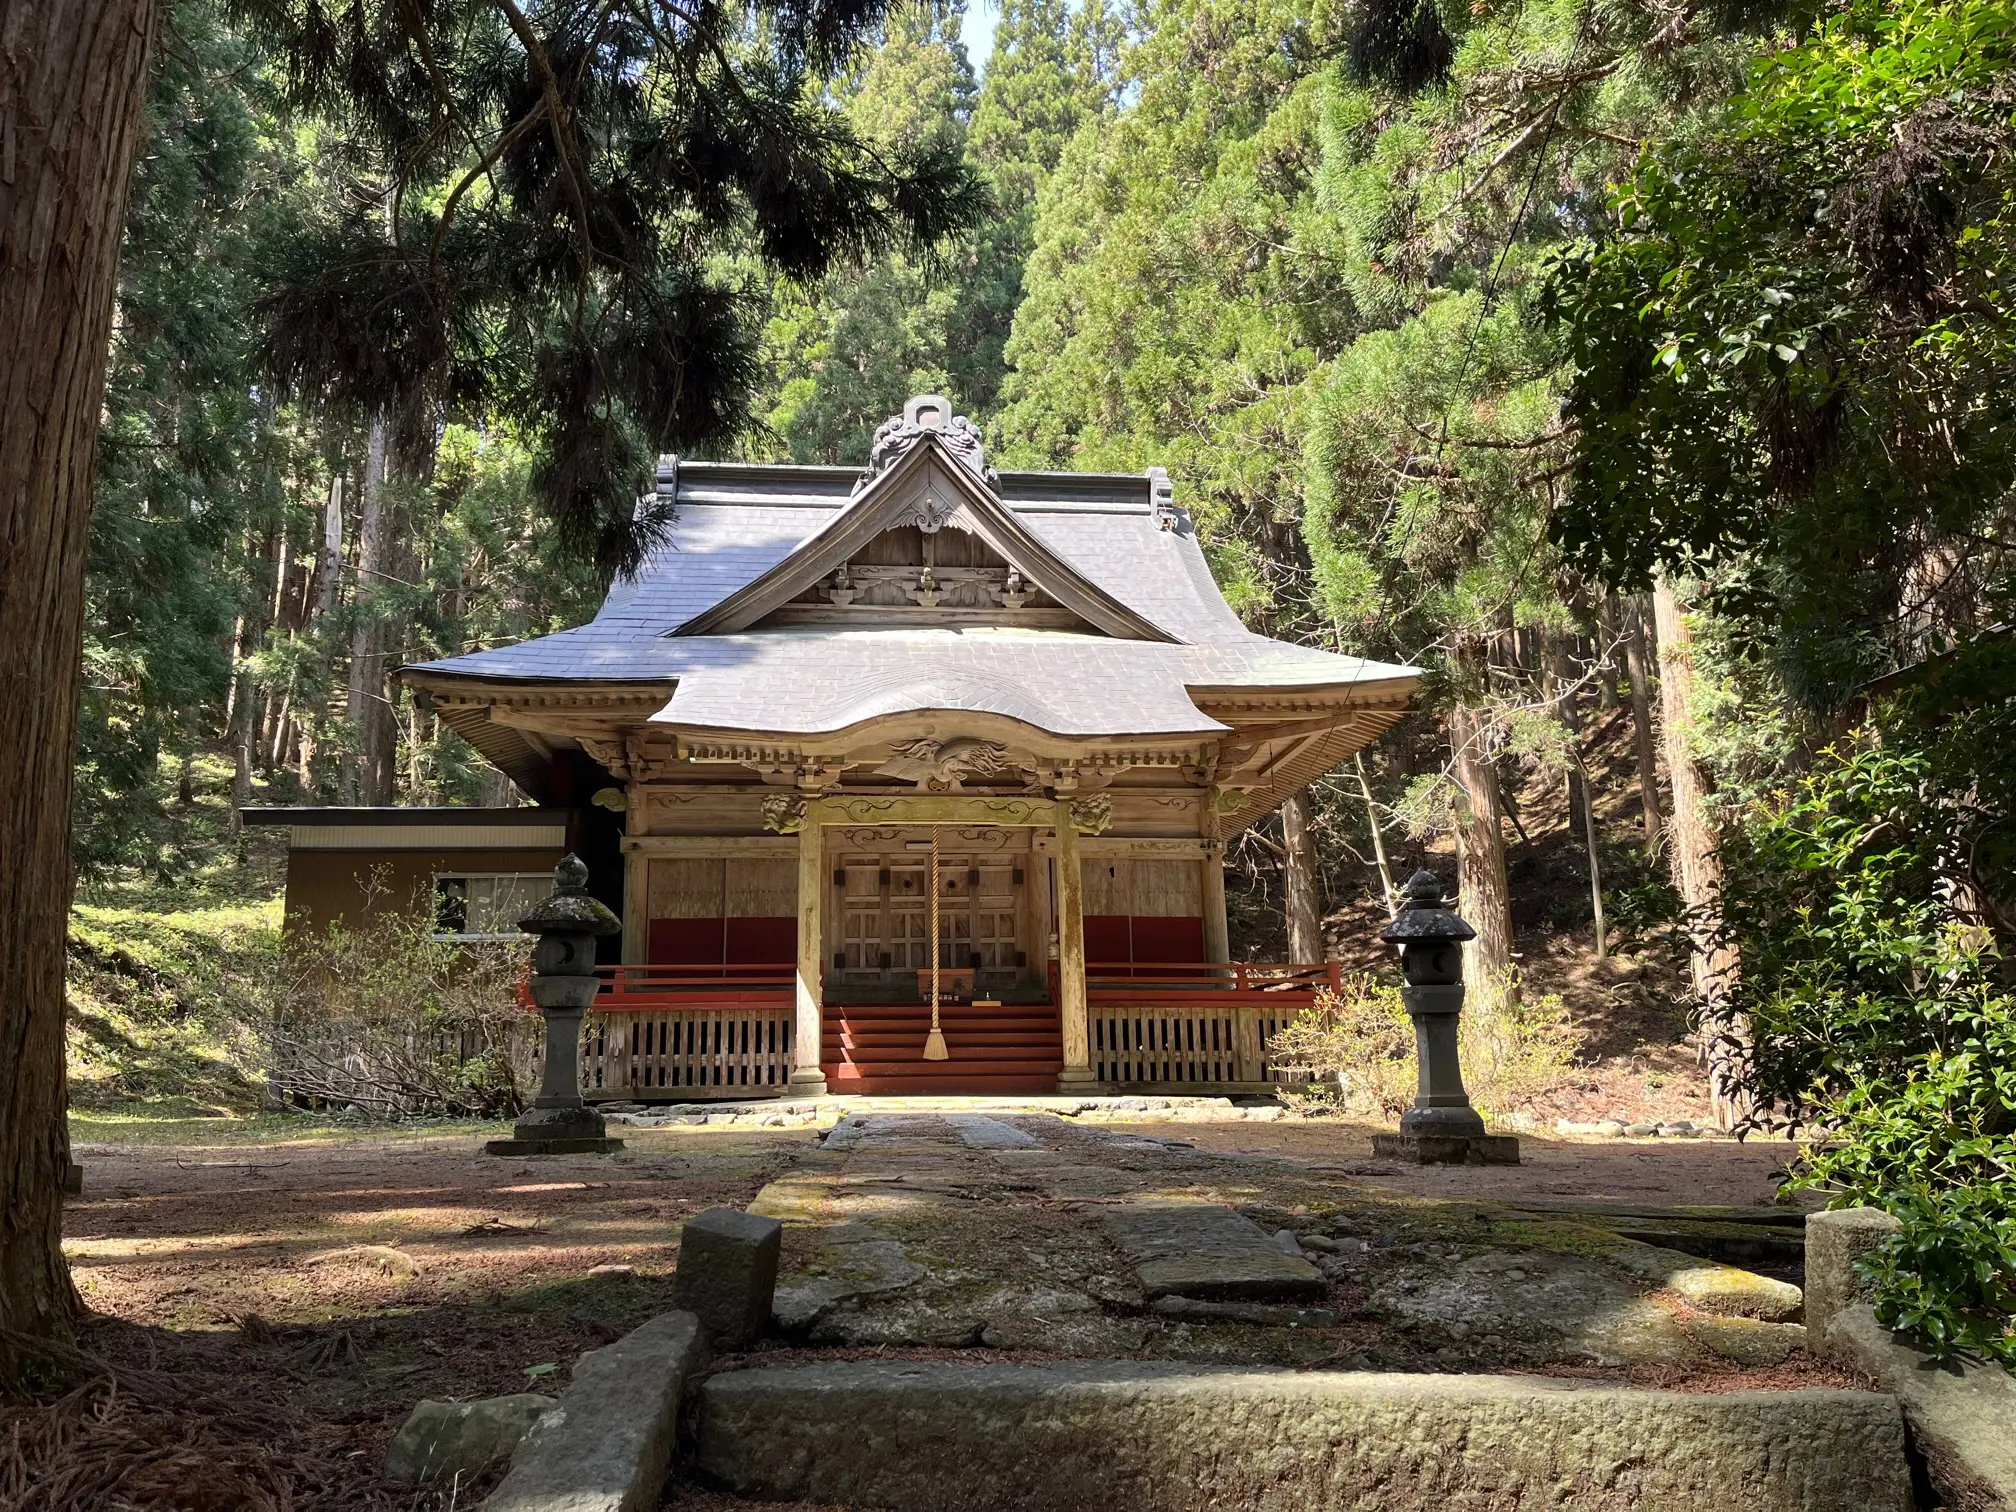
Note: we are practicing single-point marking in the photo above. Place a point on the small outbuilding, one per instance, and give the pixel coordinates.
(472, 870)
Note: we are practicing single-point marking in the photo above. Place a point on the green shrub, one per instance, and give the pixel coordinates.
(1358, 1047)
(1881, 1015)
(395, 1022)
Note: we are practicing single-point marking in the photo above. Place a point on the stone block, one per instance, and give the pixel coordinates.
(1725, 1290)
(727, 1274)
(1746, 1340)
(1834, 1242)
(552, 1146)
(1960, 1415)
(556, 1131)
(607, 1445)
(441, 1440)
(1205, 1250)
(1448, 1149)
(1171, 1438)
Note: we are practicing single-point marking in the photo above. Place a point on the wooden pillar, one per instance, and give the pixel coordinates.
(1037, 914)
(636, 907)
(1217, 928)
(807, 1079)
(1077, 1073)
(636, 877)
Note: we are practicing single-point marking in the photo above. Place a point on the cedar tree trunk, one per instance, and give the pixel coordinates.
(73, 77)
(1697, 865)
(368, 706)
(1638, 666)
(1304, 909)
(1483, 894)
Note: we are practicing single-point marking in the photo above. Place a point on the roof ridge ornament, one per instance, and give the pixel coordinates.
(1162, 499)
(927, 415)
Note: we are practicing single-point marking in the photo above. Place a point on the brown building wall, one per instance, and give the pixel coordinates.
(356, 885)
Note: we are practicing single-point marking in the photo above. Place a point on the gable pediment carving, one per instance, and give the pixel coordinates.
(926, 541)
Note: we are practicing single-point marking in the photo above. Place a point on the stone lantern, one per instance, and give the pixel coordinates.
(1441, 1128)
(564, 986)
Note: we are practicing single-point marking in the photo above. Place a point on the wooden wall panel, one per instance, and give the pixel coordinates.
(1167, 889)
(1108, 887)
(1151, 812)
(761, 888)
(698, 810)
(684, 888)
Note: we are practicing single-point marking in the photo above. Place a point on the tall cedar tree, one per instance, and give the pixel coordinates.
(560, 186)
(71, 88)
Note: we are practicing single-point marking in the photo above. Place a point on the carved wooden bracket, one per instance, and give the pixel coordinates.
(784, 813)
(1091, 814)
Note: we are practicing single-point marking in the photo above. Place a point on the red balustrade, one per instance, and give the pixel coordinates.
(659, 988)
(1274, 985)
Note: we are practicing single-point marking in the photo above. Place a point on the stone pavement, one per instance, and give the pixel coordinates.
(1030, 1232)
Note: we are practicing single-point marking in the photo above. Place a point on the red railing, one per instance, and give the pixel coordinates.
(1271, 984)
(658, 988)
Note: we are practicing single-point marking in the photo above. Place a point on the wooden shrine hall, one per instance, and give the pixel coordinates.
(867, 732)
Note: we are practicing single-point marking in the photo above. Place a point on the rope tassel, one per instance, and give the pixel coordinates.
(934, 1042)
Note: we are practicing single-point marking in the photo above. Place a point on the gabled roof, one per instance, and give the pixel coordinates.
(1157, 637)
(928, 487)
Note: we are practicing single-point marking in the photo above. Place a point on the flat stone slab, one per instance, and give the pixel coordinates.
(992, 1134)
(607, 1446)
(1207, 1251)
(1153, 1438)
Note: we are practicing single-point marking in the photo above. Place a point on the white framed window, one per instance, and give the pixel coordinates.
(486, 905)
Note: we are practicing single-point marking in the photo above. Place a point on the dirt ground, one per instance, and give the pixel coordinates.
(1713, 1171)
(304, 1294)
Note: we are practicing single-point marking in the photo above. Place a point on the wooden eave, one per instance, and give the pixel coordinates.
(518, 723)
(1285, 739)
(876, 733)
(878, 509)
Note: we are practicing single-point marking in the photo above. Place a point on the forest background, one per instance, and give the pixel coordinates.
(1641, 370)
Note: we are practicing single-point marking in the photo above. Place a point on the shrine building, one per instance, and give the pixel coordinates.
(840, 716)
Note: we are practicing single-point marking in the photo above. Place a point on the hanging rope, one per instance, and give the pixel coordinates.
(934, 1042)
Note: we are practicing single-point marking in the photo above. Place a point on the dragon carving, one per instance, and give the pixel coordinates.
(941, 765)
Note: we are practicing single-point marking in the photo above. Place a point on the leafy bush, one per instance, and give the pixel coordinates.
(1882, 1015)
(392, 1021)
(1358, 1045)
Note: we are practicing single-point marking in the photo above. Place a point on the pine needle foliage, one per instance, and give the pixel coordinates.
(545, 205)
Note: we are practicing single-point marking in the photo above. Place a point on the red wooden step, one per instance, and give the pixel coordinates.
(977, 1086)
(923, 1070)
(952, 1031)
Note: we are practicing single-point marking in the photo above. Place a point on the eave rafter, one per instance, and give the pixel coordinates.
(519, 726)
(1282, 742)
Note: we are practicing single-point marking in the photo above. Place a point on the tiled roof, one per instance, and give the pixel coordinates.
(733, 523)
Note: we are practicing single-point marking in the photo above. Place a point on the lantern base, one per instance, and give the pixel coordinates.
(552, 1146)
(575, 1130)
(1448, 1149)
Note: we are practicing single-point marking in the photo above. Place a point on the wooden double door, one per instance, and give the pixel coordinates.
(879, 931)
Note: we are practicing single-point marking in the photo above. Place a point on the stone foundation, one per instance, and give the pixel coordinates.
(1028, 1438)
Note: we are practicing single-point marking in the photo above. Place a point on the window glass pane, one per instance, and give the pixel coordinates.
(451, 905)
(485, 904)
